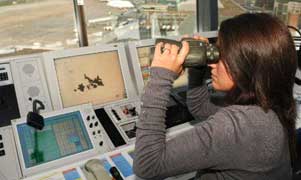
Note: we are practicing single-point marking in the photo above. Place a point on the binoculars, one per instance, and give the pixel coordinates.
(200, 52)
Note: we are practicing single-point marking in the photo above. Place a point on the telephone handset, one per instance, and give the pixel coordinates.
(94, 170)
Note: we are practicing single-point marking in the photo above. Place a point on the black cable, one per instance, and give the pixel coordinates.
(297, 80)
(296, 37)
(294, 28)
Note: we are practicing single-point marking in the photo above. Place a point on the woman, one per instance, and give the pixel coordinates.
(252, 138)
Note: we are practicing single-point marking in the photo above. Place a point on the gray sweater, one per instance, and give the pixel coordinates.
(234, 142)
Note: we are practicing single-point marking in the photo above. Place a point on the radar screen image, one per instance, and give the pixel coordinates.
(145, 55)
(92, 78)
(62, 136)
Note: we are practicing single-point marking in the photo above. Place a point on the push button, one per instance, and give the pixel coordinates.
(116, 115)
(2, 153)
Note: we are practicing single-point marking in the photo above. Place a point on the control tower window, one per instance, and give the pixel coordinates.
(140, 19)
(287, 10)
(31, 26)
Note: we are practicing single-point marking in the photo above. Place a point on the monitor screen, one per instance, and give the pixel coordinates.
(90, 78)
(63, 135)
(145, 56)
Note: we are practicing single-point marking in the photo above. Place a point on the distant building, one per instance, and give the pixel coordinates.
(173, 3)
(265, 4)
(288, 11)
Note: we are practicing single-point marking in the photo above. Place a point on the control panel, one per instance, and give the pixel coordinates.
(69, 135)
(111, 165)
(78, 133)
(8, 101)
(9, 166)
(30, 83)
(99, 136)
(117, 164)
(125, 115)
(5, 75)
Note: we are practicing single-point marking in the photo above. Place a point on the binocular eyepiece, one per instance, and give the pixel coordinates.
(200, 52)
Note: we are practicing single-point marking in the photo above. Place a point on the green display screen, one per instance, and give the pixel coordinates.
(62, 136)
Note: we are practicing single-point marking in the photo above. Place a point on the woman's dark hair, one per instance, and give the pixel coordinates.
(259, 53)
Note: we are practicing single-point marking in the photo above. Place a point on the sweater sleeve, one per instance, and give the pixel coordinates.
(198, 98)
(156, 158)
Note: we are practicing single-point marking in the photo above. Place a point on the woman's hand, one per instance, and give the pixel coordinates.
(170, 58)
(198, 37)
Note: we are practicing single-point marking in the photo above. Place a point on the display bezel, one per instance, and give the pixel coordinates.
(28, 171)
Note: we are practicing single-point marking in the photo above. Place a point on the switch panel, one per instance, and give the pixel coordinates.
(9, 166)
(125, 115)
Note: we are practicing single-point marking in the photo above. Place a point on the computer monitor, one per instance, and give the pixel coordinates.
(141, 55)
(97, 75)
(64, 139)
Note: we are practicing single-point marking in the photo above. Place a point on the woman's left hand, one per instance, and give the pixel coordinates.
(171, 58)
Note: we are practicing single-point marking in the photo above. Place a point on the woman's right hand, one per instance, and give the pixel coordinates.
(171, 58)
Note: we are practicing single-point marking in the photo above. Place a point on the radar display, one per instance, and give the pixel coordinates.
(90, 78)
